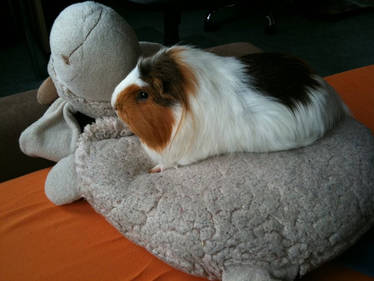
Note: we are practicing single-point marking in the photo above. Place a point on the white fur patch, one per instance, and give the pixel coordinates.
(133, 78)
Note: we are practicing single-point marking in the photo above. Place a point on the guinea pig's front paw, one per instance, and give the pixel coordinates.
(157, 169)
(162, 167)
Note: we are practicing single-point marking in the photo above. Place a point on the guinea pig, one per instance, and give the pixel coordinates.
(186, 104)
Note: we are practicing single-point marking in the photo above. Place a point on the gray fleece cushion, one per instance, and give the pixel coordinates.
(236, 217)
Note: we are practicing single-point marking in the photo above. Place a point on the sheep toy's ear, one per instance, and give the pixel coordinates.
(54, 135)
(47, 92)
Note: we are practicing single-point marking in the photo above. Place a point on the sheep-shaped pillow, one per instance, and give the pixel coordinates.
(235, 217)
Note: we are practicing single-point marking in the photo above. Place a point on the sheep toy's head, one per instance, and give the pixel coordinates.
(92, 49)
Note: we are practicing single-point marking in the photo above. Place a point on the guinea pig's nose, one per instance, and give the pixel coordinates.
(115, 106)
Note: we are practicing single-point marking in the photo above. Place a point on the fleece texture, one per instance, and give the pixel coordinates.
(242, 216)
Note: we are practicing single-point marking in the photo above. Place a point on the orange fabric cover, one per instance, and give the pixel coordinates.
(39, 241)
(356, 87)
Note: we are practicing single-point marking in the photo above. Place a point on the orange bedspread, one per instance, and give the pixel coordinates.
(41, 242)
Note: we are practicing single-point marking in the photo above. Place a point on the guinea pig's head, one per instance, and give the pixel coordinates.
(155, 95)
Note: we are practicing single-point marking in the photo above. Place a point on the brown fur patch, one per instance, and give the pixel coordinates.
(124, 96)
(189, 79)
(150, 121)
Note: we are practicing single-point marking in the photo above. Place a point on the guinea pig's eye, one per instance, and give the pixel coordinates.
(141, 96)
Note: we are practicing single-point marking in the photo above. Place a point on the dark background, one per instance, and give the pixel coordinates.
(332, 35)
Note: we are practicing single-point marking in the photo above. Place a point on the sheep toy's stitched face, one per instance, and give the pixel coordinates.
(146, 98)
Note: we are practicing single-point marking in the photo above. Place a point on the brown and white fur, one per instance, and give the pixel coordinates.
(187, 104)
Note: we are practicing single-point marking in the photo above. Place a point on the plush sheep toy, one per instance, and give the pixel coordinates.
(92, 49)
